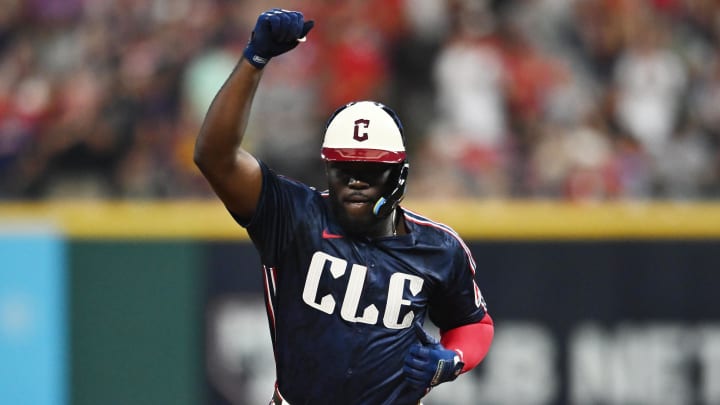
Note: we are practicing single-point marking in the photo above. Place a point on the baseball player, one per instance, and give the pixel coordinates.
(350, 275)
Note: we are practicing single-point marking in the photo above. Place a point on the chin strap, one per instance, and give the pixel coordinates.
(387, 204)
(378, 206)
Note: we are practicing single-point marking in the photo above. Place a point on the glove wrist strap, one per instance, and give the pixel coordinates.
(447, 370)
(253, 58)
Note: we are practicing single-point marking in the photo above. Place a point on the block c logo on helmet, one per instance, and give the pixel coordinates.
(356, 134)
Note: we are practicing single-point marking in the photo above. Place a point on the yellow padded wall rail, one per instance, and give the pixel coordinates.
(473, 219)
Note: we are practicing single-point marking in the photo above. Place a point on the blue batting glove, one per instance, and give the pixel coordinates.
(428, 363)
(276, 32)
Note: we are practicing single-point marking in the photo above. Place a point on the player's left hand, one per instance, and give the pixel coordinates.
(428, 363)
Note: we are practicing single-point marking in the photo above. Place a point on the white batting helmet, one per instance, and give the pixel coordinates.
(364, 131)
(368, 131)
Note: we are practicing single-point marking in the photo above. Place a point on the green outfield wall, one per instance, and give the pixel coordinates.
(136, 322)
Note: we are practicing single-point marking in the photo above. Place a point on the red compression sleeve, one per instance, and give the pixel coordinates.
(471, 341)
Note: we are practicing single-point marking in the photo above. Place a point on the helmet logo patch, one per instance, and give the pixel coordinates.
(357, 135)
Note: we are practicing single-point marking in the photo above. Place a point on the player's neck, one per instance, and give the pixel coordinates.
(392, 225)
(382, 228)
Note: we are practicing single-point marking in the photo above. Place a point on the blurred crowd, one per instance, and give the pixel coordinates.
(561, 99)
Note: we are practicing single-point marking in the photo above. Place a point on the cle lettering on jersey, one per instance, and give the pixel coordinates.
(399, 283)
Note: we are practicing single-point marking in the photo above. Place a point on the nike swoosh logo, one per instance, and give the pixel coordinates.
(328, 235)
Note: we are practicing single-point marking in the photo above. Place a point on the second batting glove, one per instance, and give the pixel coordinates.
(428, 363)
(276, 32)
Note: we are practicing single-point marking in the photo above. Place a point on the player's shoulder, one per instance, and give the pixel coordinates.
(287, 181)
(430, 232)
(306, 194)
(427, 228)
(296, 192)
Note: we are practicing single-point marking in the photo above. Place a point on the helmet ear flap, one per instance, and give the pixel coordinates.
(387, 203)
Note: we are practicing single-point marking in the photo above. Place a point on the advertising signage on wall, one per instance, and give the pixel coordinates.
(601, 322)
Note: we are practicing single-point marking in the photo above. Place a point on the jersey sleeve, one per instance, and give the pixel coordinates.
(458, 301)
(281, 208)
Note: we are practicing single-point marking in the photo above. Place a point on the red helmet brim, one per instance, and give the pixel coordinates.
(362, 155)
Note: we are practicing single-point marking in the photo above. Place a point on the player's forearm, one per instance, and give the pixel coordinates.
(472, 341)
(223, 130)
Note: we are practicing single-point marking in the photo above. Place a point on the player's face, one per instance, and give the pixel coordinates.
(354, 188)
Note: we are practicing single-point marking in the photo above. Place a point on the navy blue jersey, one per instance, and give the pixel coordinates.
(341, 310)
